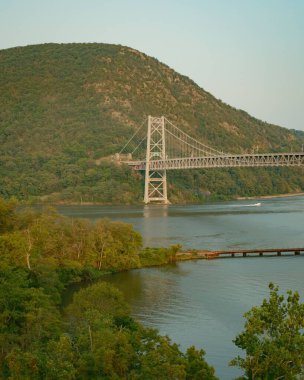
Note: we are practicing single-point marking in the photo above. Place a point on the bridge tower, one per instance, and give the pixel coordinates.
(155, 181)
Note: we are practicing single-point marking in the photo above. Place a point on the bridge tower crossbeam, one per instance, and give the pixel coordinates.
(155, 180)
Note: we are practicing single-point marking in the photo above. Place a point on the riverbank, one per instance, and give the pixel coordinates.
(45, 201)
(271, 196)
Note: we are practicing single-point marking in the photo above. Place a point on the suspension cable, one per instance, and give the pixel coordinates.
(204, 147)
(183, 143)
(144, 138)
(138, 129)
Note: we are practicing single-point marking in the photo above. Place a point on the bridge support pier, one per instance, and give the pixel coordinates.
(155, 180)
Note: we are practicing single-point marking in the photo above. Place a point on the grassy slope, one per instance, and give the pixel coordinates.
(63, 106)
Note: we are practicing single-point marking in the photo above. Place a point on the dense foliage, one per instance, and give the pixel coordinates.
(273, 339)
(38, 239)
(94, 336)
(62, 107)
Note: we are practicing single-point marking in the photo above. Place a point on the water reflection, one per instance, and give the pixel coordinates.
(155, 219)
(152, 292)
(151, 211)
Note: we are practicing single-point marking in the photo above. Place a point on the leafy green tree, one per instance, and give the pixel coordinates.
(273, 338)
(116, 245)
(28, 317)
(157, 357)
(100, 297)
(103, 241)
(7, 215)
(60, 359)
(81, 244)
(23, 365)
(197, 368)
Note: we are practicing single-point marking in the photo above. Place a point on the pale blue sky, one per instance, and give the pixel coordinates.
(249, 53)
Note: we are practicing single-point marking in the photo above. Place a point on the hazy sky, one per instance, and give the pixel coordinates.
(249, 53)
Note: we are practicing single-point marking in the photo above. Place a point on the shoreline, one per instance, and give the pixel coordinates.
(62, 203)
(271, 196)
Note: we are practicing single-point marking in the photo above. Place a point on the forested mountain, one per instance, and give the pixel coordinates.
(62, 106)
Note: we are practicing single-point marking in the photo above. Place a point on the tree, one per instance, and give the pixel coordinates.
(22, 365)
(100, 297)
(7, 215)
(102, 241)
(116, 245)
(60, 359)
(28, 318)
(273, 338)
(197, 367)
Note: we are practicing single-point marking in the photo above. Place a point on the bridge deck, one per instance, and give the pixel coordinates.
(222, 161)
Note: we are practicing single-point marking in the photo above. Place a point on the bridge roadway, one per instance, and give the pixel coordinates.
(222, 161)
(254, 252)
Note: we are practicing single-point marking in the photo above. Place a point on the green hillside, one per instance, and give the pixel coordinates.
(62, 106)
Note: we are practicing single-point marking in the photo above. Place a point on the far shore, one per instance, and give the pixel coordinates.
(272, 196)
(84, 203)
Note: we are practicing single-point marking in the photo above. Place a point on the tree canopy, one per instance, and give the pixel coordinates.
(273, 338)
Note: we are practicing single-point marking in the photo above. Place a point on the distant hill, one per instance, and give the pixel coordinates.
(62, 106)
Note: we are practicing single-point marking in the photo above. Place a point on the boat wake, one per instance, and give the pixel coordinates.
(254, 205)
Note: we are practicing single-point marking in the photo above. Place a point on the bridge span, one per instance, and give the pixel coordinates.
(169, 148)
(223, 161)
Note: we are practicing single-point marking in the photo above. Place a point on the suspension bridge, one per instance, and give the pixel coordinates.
(164, 146)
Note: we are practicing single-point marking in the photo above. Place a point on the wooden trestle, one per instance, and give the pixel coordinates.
(255, 252)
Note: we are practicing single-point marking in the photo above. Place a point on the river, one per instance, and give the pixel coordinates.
(202, 302)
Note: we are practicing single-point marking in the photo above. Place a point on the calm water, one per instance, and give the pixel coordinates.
(202, 302)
